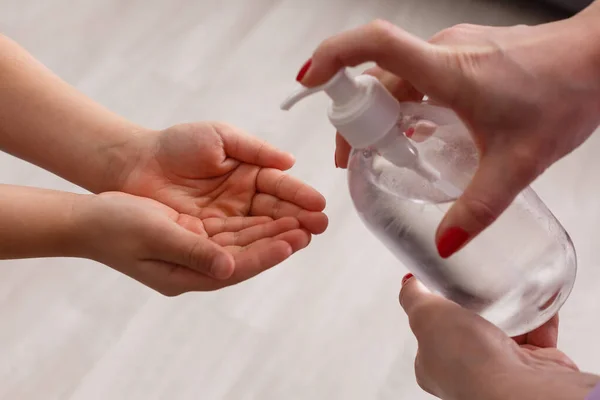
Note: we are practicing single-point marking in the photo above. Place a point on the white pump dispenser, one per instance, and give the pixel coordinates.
(408, 160)
(366, 114)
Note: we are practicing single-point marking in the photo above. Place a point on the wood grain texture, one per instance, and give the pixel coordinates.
(324, 325)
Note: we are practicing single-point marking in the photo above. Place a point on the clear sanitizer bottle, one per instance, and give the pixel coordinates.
(410, 161)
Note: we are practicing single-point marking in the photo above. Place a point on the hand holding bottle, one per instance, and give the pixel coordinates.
(462, 356)
(527, 98)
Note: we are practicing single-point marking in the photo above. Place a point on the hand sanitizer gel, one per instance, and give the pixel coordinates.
(409, 163)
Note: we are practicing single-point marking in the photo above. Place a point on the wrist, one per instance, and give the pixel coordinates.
(87, 227)
(119, 158)
(41, 223)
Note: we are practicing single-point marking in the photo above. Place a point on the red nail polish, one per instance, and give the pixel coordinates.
(451, 240)
(406, 278)
(303, 70)
(409, 132)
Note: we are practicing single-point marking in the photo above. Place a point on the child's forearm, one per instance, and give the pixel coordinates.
(47, 122)
(37, 223)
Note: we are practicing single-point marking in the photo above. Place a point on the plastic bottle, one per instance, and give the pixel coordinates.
(409, 163)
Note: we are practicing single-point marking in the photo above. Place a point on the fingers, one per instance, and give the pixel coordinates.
(392, 48)
(171, 279)
(285, 187)
(182, 247)
(401, 89)
(342, 151)
(252, 150)
(267, 253)
(260, 257)
(214, 226)
(255, 233)
(498, 180)
(273, 207)
(546, 336)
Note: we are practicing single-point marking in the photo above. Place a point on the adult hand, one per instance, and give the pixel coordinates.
(175, 253)
(462, 356)
(526, 96)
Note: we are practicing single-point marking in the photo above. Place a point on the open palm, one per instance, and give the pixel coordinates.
(219, 174)
(175, 253)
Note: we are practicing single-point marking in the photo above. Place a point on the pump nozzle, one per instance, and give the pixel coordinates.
(366, 115)
(362, 110)
(342, 89)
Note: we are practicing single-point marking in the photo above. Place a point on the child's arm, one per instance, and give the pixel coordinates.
(170, 252)
(38, 223)
(47, 122)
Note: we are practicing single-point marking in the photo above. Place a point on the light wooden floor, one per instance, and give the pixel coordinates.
(326, 324)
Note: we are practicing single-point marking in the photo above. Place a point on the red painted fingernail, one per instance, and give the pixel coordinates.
(451, 240)
(409, 132)
(304, 70)
(406, 278)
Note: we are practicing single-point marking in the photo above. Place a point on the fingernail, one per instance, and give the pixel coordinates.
(451, 240)
(221, 267)
(406, 278)
(409, 132)
(303, 70)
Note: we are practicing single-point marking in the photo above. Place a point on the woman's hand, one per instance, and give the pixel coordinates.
(462, 356)
(528, 97)
(175, 253)
(213, 170)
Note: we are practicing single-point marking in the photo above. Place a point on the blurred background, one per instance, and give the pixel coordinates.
(325, 324)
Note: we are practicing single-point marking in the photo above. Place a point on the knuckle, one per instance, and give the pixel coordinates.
(279, 185)
(326, 48)
(454, 32)
(445, 34)
(425, 316)
(526, 160)
(192, 258)
(197, 259)
(481, 211)
(465, 27)
(382, 31)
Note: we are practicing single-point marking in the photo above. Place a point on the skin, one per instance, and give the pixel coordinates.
(509, 85)
(461, 356)
(528, 100)
(194, 207)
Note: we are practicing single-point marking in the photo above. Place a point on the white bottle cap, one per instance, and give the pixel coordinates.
(362, 111)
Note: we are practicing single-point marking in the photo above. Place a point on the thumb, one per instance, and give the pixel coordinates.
(193, 251)
(498, 180)
(413, 295)
(424, 308)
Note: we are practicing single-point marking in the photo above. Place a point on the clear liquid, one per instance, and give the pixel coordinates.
(516, 274)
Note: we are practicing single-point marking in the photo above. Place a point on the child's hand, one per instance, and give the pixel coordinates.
(215, 170)
(175, 253)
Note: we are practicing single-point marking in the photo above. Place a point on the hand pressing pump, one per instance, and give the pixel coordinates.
(410, 161)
